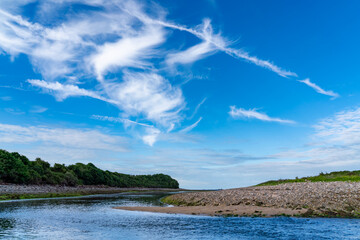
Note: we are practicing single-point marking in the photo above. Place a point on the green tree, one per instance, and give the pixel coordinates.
(16, 168)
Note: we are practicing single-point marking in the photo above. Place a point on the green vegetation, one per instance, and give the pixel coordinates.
(351, 176)
(170, 200)
(16, 168)
(330, 214)
(14, 196)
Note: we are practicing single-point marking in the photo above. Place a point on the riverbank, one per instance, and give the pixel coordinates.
(15, 191)
(227, 211)
(307, 199)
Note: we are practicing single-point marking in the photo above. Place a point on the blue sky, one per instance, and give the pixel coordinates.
(217, 94)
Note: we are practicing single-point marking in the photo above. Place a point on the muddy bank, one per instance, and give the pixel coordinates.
(326, 199)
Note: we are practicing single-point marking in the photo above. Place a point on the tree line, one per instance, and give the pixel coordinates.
(16, 168)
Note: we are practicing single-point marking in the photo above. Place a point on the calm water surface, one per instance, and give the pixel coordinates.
(94, 218)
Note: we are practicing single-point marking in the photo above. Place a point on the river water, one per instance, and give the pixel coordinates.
(93, 217)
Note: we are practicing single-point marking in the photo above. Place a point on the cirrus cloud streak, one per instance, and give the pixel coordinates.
(253, 114)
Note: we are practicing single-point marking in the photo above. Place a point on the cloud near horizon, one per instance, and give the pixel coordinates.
(334, 145)
(335, 142)
(64, 137)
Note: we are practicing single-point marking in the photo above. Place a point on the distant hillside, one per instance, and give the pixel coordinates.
(352, 176)
(16, 168)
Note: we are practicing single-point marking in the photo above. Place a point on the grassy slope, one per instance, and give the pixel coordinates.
(352, 176)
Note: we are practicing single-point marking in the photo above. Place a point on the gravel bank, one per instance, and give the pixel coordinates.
(6, 189)
(328, 199)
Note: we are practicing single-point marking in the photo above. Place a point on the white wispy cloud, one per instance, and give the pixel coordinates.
(63, 91)
(219, 43)
(38, 109)
(200, 50)
(121, 44)
(151, 136)
(119, 120)
(148, 94)
(128, 51)
(259, 62)
(62, 45)
(191, 127)
(253, 113)
(319, 89)
(72, 50)
(205, 32)
(191, 54)
(197, 108)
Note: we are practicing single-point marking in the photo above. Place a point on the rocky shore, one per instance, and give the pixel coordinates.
(308, 199)
(15, 191)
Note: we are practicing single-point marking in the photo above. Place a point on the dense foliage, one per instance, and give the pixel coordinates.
(16, 168)
(352, 176)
